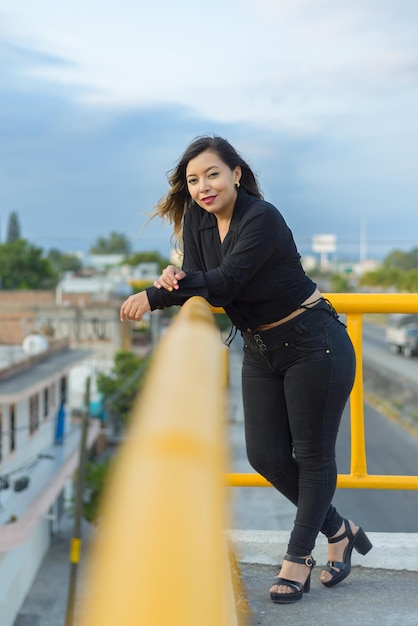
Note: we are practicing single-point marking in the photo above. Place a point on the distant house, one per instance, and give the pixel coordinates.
(103, 262)
(39, 450)
(82, 290)
(146, 271)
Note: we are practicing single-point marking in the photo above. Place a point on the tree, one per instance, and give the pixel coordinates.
(147, 257)
(22, 266)
(339, 283)
(120, 387)
(13, 228)
(398, 259)
(94, 484)
(116, 243)
(383, 276)
(64, 262)
(399, 271)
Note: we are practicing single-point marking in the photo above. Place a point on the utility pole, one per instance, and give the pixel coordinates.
(75, 547)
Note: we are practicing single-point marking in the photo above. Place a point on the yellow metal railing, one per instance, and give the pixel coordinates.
(160, 557)
(355, 305)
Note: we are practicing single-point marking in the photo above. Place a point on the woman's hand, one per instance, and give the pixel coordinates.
(134, 307)
(169, 278)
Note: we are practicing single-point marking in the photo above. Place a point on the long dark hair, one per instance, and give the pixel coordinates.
(177, 201)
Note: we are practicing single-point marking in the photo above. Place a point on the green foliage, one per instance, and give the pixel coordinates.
(147, 257)
(94, 482)
(22, 266)
(399, 271)
(402, 260)
(120, 387)
(116, 243)
(63, 262)
(408, 281)
(13, 228)
(339, 283)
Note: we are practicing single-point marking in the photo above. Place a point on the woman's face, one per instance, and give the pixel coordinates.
(211, 183)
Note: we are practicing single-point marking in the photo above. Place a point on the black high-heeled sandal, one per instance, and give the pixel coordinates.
(298, 589)
(359, 541)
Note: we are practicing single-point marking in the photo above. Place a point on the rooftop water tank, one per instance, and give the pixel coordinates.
(35, 344)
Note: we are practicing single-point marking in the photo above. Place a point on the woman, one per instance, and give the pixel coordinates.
(299, 363)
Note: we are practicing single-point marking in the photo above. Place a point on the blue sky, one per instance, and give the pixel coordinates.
(99, 99)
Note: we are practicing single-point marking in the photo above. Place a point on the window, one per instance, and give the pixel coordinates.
(12, 427)
(33, 413)
(53, 395)
(63, 390)
(46, 403)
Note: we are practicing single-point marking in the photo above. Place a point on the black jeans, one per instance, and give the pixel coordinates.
(296, 379)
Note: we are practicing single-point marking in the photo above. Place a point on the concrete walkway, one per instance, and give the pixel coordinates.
(370, 595)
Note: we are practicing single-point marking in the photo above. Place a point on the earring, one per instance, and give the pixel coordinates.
(236, 184)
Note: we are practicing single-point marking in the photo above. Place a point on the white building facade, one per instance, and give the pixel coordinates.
(39, 452)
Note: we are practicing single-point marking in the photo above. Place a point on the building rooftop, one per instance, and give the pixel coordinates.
(10, 354)
(21, 373)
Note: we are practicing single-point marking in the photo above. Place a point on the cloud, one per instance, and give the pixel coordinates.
(293, 60)
(99, 99)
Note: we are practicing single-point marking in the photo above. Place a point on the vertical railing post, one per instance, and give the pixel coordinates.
(358, 445)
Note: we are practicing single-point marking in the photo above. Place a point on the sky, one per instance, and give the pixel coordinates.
(99, 99)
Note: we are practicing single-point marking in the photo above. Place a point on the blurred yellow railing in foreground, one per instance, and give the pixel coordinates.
(355, 305)
(160, 557)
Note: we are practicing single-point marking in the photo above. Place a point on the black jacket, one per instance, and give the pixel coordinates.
(255, 274)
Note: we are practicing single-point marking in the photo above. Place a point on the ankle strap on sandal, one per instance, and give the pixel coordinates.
(347, 533)
(308, 560)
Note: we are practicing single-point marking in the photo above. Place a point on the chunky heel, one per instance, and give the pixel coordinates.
(340, 570)
(362, 543)
(298, 589)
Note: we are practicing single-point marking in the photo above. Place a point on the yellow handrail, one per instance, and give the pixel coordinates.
(355, 305)
(160, 556)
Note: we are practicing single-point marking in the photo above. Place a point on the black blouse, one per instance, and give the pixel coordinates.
(255, 274)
